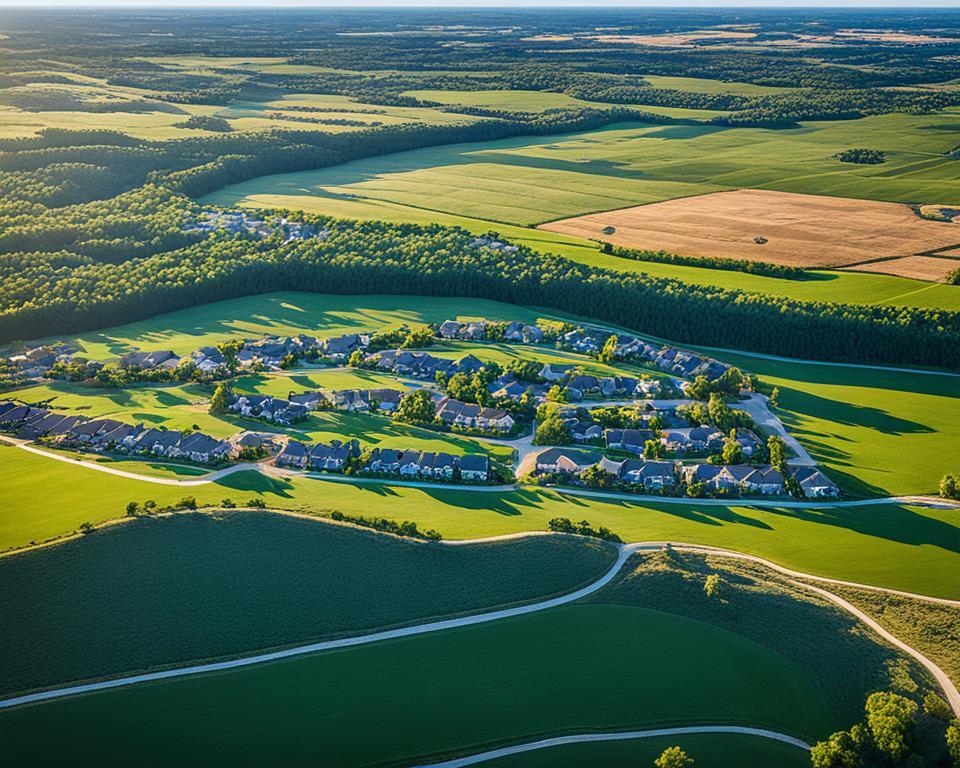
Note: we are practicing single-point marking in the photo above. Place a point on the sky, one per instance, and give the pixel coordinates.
(490, 3)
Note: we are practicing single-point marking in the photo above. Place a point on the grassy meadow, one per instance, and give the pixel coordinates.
(206, 587)
(452, 692)
(894, 545)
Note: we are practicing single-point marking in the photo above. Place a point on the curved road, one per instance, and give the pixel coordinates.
(271, 471)
(624, 553)
(580, 738)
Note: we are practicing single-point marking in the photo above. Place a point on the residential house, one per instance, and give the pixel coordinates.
(633, 440)
(384, 460)
(686, 439)
(815, 483)
(294, 454)
(475, 467)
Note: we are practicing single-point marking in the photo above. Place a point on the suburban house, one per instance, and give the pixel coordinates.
(814, 483)
(385, 400)
(334, 456)
(684, 439)
(294, 454)
(470, 416)
(563, 461)
(746, 478)
(474, 467)
(633, 440)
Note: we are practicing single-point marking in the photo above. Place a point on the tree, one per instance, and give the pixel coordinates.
(712, 585)
(890, 718)
(953, 741)
(838, 751)
(673, 757)
(356, 359)
(652, 449)
(950, 487)
(221, 399)
(597, 477)
(132, 509)
(230, 349)
(775, 397)
(552, 432)
(732, 452)
(187, 502)
(609, 351)
(935, 706)
(777, 450)
(556, 395)
(721, 414)
(86, 527)
(417, 407)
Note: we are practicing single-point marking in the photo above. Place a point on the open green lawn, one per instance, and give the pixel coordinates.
(455, 691)
(709, 751)
(205, 587)
(894, 545)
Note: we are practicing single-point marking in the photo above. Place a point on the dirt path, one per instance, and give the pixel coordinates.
(581, 738)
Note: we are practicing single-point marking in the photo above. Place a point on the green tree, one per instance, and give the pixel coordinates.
(132, 509)
(890, 718)
(777, 450)
(552, 432)
(230, 349)
(86, 527)
(953, 741)
(417, 407)
(721, 414)
(221, 399)
(838, 751)
(673, 757)
(936, 706)
(187, 502)
(556, 395)
(609, 351)
(775, 397)
(950, 487)
(732, 452)
(712, 585)
(356, 359)
(418, 337)
(652, 449)
(596, 476)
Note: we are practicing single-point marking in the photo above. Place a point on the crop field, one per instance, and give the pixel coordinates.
(922, 267)
(796, 230)
(209, 587)
(894, 545)
(456, 691)
(709, 751)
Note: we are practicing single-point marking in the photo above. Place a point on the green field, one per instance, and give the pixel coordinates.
(456, 691)
(891, 545)
(709, 751)
(205, 587)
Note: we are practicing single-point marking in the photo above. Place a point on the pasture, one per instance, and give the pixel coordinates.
(448, 693)
(795, 230)
(206, 587)
(894, 545)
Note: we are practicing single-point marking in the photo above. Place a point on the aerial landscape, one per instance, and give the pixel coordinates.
(462, 384)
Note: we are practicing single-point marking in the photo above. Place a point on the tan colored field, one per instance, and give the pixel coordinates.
(919, 267)
(679, 39)
(800, 230)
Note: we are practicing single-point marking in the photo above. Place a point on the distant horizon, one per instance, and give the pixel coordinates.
(886, 5)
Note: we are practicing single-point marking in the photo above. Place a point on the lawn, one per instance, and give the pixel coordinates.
(451, 692)
(893, 545)
(207, 587)
(709, 751)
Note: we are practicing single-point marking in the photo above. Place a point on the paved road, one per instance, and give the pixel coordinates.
(271, 471)
(580, 738)
(623, 554)
(758, 407)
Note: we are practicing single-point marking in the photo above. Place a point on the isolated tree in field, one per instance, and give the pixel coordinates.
(673, 757)
(221, 398)
(732, 452)
(777, 450)
(950, 487)
(838, 751)
(712, 585)
(417, 408)
(953, 741)
(890, 718)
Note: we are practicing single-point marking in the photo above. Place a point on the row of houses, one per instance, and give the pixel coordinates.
(240, 222)
(746, 479)
(354, 400)
(469, 416)
(410, 464)
(589, 340)
(73, 431)
(421, 365)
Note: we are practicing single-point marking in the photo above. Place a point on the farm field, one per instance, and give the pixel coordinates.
(925, 267)
(894, 545)
(536, 179)
(797, 230)
(208, 587)
(405, 700)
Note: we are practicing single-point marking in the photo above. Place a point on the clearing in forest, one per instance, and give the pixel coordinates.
(764, 225)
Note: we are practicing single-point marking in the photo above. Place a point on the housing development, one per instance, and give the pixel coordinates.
(388, 387)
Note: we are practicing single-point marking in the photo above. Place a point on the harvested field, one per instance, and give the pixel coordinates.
(920, 267)
(800, 230)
